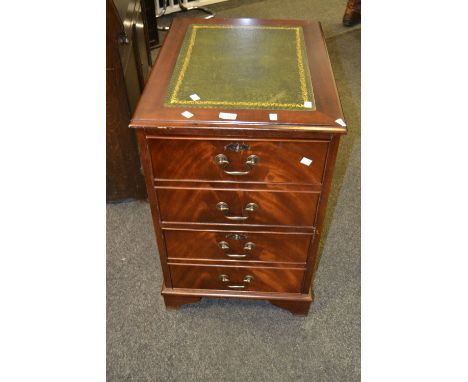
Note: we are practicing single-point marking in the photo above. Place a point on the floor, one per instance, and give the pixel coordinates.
(236, 340)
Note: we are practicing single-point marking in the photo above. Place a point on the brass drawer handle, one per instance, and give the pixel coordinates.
(225, 279)
(223, 161)
(236, 147)
(224, 208)
(224, 245)
(236, 236)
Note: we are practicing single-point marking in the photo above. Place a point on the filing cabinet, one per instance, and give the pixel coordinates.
(238, 186)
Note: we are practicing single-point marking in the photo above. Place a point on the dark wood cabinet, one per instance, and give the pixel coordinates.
(128, 63)
(238, 204)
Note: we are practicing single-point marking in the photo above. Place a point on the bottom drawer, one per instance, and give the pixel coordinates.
(287, 280)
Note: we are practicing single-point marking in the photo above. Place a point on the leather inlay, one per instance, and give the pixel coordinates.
(253, 67)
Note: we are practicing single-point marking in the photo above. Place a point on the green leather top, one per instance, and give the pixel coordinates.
(242, 67)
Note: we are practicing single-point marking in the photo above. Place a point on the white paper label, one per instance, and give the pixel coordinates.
(194, 97)
(339, 121)
(273, 117)
(308, 104)
(227, 115)
(306, 161)
(187, 114)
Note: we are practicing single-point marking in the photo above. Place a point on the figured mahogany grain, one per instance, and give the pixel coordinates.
(274, 208)
(265, 279)
(184, 183)
(279, 161)
(272, 247)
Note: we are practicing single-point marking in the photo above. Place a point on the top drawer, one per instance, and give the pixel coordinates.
(244, 160)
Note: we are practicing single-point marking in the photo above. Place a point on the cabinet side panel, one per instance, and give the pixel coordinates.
(322, 207)
(147, 167)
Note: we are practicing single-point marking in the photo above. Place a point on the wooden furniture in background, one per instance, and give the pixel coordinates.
(149, 7)
(128, 62)
(238, 205)
(352, 15)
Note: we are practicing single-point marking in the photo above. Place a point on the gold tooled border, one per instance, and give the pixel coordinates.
(300, 67)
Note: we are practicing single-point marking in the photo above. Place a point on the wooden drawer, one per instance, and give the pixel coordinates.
(264, 279)
(278, 161)
(240, 246)
(273, 207)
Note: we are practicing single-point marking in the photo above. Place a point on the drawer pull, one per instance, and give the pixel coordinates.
(224, 208)
(225, 279)
(236, 147)
(223, 161)
(247, 247)
(236, 236)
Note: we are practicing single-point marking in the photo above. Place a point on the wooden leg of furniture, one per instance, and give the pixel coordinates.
(173, 302)
(298, 308)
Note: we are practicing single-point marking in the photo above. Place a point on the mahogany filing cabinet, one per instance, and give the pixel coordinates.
(238, 128)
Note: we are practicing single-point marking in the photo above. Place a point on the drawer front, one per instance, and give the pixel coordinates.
(203, 206)
(237, 278)
(277, 161)
(240, 246)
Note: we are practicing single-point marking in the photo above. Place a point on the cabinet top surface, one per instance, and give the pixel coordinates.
(246, 68)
